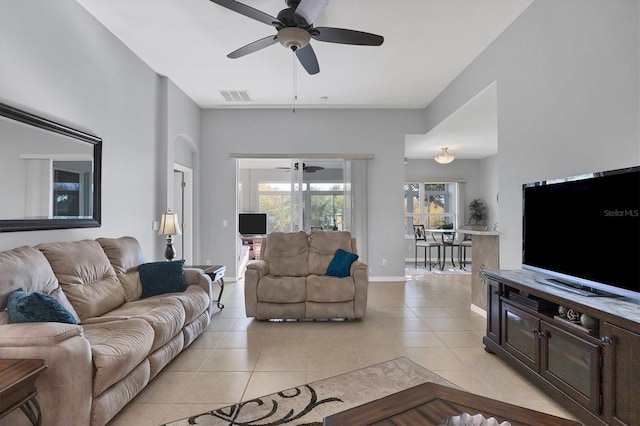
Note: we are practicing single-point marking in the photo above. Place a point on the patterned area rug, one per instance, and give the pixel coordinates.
(310, 403)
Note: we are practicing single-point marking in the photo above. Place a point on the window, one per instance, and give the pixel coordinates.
(433, 204)
(323, 201)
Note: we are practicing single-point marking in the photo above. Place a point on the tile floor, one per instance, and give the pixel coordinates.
(427, 319)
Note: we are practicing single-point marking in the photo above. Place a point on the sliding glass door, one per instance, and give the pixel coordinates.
(301, 194)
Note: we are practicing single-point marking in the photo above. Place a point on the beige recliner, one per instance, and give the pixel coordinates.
(289, 281)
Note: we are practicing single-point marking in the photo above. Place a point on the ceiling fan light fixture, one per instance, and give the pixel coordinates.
(293, 38)
(444, 157)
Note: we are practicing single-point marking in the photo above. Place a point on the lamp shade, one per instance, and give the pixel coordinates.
(169, 224)
(444, 157)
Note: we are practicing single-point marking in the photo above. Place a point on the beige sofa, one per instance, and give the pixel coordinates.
(121, 343)
(289, 281)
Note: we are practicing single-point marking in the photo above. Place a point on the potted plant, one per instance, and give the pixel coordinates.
(477, 211)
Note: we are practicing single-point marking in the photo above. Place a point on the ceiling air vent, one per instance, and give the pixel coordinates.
(235, 95)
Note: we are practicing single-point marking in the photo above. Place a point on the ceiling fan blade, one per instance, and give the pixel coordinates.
(310, 10)
(341, 35)
(307, 58)
(249, 12)
(253, 47)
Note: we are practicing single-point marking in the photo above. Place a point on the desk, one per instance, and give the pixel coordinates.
(216, 273)
(18, 387)
(430, 404)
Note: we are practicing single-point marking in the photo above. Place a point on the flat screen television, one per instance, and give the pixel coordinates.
(252, 223)
(583, 232)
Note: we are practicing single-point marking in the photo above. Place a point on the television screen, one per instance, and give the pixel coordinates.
(252, 223)
(585, 230)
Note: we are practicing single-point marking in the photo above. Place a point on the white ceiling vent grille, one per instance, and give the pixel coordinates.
(235, 95)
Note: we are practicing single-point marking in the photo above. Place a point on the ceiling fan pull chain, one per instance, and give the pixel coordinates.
(295, 80)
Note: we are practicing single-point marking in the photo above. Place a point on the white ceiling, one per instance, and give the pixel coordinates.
(427, 44)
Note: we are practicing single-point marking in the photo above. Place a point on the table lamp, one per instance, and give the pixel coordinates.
(169, 226)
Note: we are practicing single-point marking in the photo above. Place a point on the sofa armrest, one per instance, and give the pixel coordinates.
(29, 334)
(195, 276)
(65, 387)
(256, 269)
(360, 273)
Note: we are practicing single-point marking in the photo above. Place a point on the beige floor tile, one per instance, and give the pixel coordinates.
(446, 324)
(191, 359)
(231, 360)
(427, 319)
(267, 382)
(136, 414)
(333, 359)
(436, 359)
(421, 303)
(431, 313)
(282, 359)
(220, 387)
(419, 339)
(208, 340)
(375, 355)
(220, 324)
(460, 339)
(183, 411)
(165, 388)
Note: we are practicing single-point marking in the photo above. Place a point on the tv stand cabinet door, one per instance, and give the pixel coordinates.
(572, 364)
(621, 375)
(493, 310)
(520, 335)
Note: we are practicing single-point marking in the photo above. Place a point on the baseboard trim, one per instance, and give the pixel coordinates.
(478, 310)
(387, 279)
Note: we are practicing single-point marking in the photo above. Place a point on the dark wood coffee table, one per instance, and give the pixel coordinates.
(430, 404)
(18, 387)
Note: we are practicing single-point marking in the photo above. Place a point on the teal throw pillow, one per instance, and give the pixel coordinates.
(162, 277)
(36, 307)
(341, 263)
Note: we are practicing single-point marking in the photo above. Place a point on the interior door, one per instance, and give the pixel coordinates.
(183, 206)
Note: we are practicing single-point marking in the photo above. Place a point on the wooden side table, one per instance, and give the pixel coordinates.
(216, 273)
(18, 387)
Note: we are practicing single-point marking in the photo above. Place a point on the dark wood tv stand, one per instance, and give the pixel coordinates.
(591, 367)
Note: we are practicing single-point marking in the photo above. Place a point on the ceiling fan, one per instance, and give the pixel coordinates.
(295, 28)
(305, 168)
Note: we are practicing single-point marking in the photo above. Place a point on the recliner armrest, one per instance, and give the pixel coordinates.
(261, 266)
(357, 266)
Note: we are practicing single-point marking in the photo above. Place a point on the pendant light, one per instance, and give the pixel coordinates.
(445, 157)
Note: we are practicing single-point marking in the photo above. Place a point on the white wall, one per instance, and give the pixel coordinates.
(58, 61)
(568, 98)
(380, 132)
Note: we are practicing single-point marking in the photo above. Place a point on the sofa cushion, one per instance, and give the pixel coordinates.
(26, 268)
(194, 300)
(287, 253)
(282, 289)
(327, 289)
(125, 255)
(323, 246)
(165, 315)
(341, 263)
(117, 347)
(36, 307)
(162, 277)
(86, 276)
